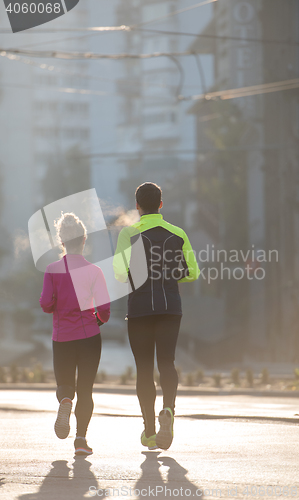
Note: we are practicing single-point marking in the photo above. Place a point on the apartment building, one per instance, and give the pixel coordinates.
(155, 133)
(43, 118)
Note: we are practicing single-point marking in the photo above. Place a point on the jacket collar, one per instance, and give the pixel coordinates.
(151, 216)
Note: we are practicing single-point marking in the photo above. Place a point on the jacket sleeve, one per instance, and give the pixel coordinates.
(122, 256)
(191, 264)
(101, 297)
(47, 299)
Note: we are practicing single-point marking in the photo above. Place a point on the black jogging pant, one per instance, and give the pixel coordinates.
(146, 333)
(83, 354)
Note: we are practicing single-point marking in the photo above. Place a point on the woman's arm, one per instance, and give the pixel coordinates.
(47, 299)
(101, 297)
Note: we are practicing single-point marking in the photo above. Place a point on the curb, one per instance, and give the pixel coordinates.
(130, 390)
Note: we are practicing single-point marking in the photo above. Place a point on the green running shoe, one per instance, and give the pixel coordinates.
(165, 435)
(150, 442)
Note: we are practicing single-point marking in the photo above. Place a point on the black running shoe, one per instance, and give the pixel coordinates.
(81, 447)
(62, 424)
(165, 435)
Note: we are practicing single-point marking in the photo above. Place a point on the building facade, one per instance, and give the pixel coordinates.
(45, 119)
(155, 133)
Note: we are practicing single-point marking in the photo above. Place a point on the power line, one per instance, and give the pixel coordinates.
(66, 90)
(219, 37)
(222, 94)
(69, 90)
(61, 71)
(93, 31)
(263, 88)
(201, 72)
(34, 31)
(140, 154)
(102, 30)
(90, 55)
(182, 75)
(61, 40)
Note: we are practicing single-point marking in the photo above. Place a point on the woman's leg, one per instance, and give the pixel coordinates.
(88, 358)
(64, 362)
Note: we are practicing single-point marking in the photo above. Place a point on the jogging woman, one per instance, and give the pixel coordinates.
(71, 287)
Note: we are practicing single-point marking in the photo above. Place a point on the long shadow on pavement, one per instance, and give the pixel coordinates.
(176, 485)
(60, 484)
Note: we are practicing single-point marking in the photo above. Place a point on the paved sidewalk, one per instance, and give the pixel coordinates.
(182, 390)
(199, 407)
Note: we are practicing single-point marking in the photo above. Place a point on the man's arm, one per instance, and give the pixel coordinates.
(192, 267)
(122, 257)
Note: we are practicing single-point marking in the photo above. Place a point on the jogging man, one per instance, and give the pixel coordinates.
(154, 309)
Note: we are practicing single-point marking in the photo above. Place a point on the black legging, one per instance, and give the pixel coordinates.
(145, 333)
(67, 356)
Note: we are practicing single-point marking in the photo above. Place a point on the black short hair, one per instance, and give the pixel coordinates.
(148, 196)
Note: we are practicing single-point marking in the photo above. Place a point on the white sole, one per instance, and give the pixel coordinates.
(164, 436)
(81, 451)
(62, 424)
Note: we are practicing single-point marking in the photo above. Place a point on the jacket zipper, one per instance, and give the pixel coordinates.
(166, 305)
(152, 289)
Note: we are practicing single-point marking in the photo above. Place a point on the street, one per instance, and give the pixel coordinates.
(224, 446)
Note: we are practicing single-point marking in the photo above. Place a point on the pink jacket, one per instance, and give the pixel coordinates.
(71, 287)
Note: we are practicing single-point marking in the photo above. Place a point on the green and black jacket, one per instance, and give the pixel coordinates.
(169, 260)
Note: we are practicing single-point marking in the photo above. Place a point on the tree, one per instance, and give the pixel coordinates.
(222, 201)
(66, 175)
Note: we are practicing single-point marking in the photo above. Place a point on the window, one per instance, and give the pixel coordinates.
(81, 108)
(47, 132)
(154, 119)
(76, 133)
(43, 106)
(46, 79)
(153, 11)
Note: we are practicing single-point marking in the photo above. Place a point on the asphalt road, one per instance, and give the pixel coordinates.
(224, 447)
